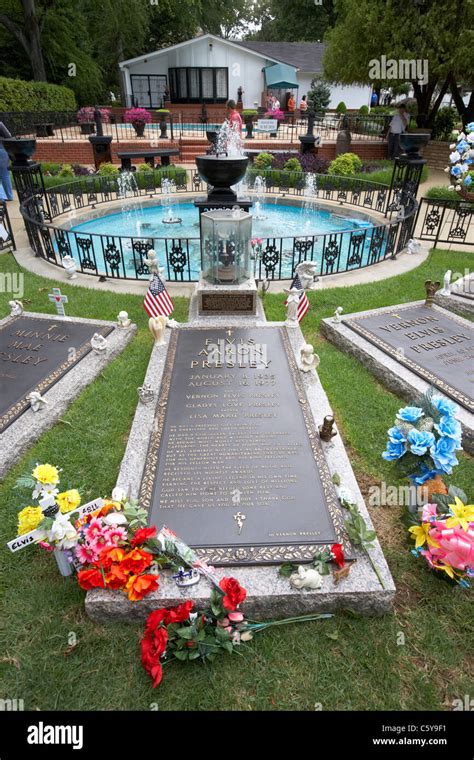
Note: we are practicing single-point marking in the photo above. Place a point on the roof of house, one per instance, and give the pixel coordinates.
(306, 56)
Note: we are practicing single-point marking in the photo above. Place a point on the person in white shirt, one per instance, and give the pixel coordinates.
(397, 126)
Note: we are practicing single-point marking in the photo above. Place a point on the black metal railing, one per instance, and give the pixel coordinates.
(119, 256)
(65, 125)
(7, 239)
(443, 221)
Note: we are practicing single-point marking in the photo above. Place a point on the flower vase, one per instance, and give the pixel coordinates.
(63, 560)
(163, 132)
(139, 128)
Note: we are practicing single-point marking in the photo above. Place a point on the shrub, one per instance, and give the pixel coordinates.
(441, 193)
(66, 171)
(144, 167)
(81, 171)
(50, 168)
(345, 165)
(444, 123)
(277, 114)
(263, 160)
(364, 110)
(341, 107)
(292, 165)
(137, 116)
(17, 95)
(319, 95)
(248, 112)
(108, 170)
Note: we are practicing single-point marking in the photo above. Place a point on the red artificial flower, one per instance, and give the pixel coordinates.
(178, 614)
(142, 535)
(92, 578)
(338, 555)
(153, 645)
(136, 561)
(139, 586)
(116, 578)
(234, 593)
(155, 619)
(110, 556)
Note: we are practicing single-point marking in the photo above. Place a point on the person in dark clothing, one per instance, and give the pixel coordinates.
(6, 191)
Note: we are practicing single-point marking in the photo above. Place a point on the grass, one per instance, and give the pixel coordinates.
(348, 662)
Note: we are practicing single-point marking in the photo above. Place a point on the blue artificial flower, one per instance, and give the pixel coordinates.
(410, 413)
(470, 126)
(450, 427)
(396, 445)
(443, 455)
(468, 180)
(462, 146)
(423, 475)
(464, 583)
(456, 171)
(445, 406)
(420, 441)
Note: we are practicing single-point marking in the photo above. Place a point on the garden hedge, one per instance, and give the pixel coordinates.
(18, 95)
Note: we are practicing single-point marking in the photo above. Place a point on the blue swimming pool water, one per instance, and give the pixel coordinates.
(277, 220)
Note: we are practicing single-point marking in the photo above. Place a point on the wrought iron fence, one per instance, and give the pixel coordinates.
(119, 256)
(7, 239)
(65, 125)
(442, 221)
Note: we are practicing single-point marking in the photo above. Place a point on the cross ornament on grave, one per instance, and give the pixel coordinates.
(59, 300)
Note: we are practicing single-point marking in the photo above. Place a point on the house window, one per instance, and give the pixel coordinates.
(196, 84)
(148, 91)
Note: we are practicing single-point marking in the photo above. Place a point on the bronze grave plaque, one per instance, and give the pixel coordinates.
(235, 465)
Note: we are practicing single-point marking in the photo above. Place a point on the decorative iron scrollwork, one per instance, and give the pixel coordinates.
(84, 246)
(331, 253)
(270, 259)
(177, 258)
(356, 249)
(112, 257)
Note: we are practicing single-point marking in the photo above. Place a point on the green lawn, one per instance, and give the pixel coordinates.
(347, 662)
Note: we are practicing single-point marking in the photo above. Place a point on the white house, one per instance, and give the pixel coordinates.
(209, 69)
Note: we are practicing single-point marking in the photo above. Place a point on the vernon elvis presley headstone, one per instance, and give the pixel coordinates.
(235, 465)
(36, 353)
(432, 343)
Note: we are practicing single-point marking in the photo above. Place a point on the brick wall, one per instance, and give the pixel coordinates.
(437, 154)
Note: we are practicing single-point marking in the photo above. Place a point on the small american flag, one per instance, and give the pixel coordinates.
(303, 305)
(157, 301)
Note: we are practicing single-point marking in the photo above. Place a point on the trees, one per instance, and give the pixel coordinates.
(435, 31)
(319, 95)
(22, 21)
(288, 20)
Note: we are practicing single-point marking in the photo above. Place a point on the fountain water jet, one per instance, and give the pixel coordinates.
(167, 189)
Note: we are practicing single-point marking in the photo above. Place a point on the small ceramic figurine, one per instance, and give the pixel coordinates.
(306, 577)
(308, 359)
(145, 393)
(37, 402)
(157, 327)
(292, 302)
(98, 343)
(153, 264)
(70, 266)
(431, 288)
(16, 308)
(325, 430)
(413, 246)
(122, 320)
(172, 323)
(306, 271)
(446, 291)
(337, 315)
(185, 578)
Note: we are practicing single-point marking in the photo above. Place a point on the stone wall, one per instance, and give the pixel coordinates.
(437, 155)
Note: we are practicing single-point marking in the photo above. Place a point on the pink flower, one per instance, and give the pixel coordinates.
(429, 511)
(116, 534)
(235, 617)
(86, 554)
(95, 529)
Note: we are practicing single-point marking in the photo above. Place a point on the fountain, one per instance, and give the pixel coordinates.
(224, 169)
(310, 194)
(167, 189)
(260, 188)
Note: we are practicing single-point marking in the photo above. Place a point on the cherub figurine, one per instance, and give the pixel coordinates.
(337, 315)
(306, 271)
(157, 327)
(70, 266)
(122, 320)
(292, 302)
(37, 402)
(306, 577)
(16, 308)
(154, 265)
(431, 288)
(308, 359)
(98, 343)
(446, 291)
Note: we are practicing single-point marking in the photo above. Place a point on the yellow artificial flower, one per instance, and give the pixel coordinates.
(46, 474)
(422, 536)
(28, 519)
(68, 500)
(463, 514)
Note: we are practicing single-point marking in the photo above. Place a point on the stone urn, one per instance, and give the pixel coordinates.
(139, 127)
(411, 142)
(221, 172)
(20, 150)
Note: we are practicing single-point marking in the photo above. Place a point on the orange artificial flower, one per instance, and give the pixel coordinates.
(111, 555)
(136, 561)
(89, 579)
(139, 586)
(116, 578)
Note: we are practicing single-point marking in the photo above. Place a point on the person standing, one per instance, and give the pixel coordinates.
(6, 191)
(303, 104)
(291, 105)
(397, 126)
(234, 117)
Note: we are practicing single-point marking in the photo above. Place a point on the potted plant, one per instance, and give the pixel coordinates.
(138, 118)
(461, 162)
(85, 117)
(163, 113)
(248, 115)
(278, 115)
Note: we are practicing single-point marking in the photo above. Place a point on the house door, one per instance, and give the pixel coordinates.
(148, 90)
